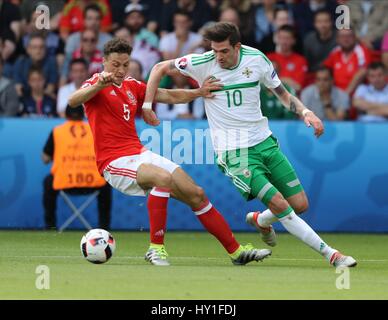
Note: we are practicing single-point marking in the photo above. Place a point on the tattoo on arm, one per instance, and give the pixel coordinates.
(280, 90)
(288, 100)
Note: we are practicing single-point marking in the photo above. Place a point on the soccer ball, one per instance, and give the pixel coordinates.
(98, 246)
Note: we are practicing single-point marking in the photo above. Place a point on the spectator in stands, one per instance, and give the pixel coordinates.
(36, 58)
(27, 8)
(246, 13)
(135, 22)
(293, 66)
(178, 43)
(231, 15)
(70, 147)
(348, 61)
(9, 101)
(10, 19)
(72, 19)
(37, 103)
(281, 18)
(54, 44)
(87, 51)
(200, 11)
(78, 74)
(326, 100)
(152, 12)
(384, 51)
(182, 40)
(264, 19)
(10, 32)
(141, 51)
(372, 99)
(303, 13)
(8, 50)
(369, 19)
(136, 70)
(92, 21)
(319, 43)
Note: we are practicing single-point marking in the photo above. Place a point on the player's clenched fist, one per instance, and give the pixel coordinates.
(105, 79)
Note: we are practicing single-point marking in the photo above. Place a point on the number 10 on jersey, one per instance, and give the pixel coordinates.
(234, 98)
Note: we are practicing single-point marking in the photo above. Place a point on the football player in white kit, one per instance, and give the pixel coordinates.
(246, 150)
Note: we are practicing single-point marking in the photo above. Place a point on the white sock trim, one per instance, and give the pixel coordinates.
(204, 210)
(160, 193)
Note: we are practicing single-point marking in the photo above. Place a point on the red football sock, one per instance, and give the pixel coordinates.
(215, 224)
(157, 212)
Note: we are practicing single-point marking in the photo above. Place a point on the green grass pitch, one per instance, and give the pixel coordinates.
(200, 268)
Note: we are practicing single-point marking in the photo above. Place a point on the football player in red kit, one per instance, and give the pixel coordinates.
(111, 99)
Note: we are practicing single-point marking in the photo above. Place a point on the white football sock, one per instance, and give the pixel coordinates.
(300, 229)
(266, 218)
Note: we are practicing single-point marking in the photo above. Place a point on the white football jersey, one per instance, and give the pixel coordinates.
(234, 114)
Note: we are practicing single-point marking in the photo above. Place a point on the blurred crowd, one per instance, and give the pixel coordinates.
(341, 74)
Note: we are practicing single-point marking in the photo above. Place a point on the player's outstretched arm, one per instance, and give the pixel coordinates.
(186, 95)
(158, 71)
(293, 104)
(83, 95)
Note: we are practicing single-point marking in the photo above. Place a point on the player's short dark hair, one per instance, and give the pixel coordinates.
(76, 113)
(222, 31)
(79, 61)
(92, 7)
(376, 65)
(117, 45)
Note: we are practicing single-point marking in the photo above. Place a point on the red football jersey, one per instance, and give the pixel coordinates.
(344, 68)
(293, 66)
(111, 115)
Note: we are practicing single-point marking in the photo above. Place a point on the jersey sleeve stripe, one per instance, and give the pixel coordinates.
(195, 63)
(248, 52)
(204, 56)
(202, 59)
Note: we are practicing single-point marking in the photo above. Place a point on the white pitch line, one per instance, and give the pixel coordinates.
(179, 258)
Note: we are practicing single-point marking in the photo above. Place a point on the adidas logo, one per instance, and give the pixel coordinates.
(159, 233)
(113, 93)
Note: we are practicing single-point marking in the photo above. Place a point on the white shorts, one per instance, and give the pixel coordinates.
(121, 173)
